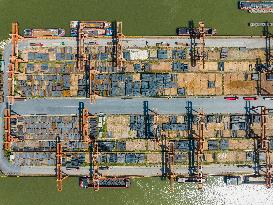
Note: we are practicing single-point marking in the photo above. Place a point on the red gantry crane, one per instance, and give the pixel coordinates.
(7, 137)
(171, 172)
(201, 30)
(265, 148)
(7, 127)
(13, 66)
(200, 151)
(59, 153)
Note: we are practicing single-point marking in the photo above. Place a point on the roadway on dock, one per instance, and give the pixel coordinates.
(144, 41)
(134, 105)
(216, 169)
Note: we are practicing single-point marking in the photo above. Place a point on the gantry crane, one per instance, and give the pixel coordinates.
(251, 135)
(163, 157)
(80, 48)
(84, 63)
(96, 175)
(119, 46)
(84, 123)
(94, 166)
(13, 66)
(170, 164)
(266, 67)
(7, 136)
(201, 30)
(59, 153)
(167, 151)
(156, 128)
(92, 85)
(92, 144)
(262, 146)
(85, 126)
(189, 110)
(265, 147)
(200, 151)
(196, 152)
(151, 129)
(117, 59)
(193, 37)
(268, 55)
(200, 34)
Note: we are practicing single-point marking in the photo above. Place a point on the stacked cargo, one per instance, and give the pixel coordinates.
(73, 161)
(142, 125)
(26, 129)
(122, 158)
(180, 67)
(178, 54)
(124, 85)
(34, 159)
(35, 56)
(154, 84)
(93, 127)
(44, 85)
(237, 123)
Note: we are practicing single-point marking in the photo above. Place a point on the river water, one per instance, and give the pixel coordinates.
(144, 191)
(215, 192)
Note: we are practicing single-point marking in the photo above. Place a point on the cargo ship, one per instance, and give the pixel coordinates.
(34, 33)
(97, 32)
(105, 182)
(256, 5)
(91, 24)
(184, 31)
(91, 28)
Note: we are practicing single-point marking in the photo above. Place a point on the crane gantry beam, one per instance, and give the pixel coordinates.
(7, 136)
(92, 144)
(117, 57)
(59, 153)
(96, 176)
(200, 151)
(170, 161)
(7, 129)
(263, 167)
(201, 30)
(80, 48)
(268, 55)
(85, 126)
(13, 66)
(92, 85)
(265, 147)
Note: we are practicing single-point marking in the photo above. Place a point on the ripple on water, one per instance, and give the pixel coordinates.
(215, 192)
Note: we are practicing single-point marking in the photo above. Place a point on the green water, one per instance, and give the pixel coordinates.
(42, 191)
(139, 17)
(145, 191)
